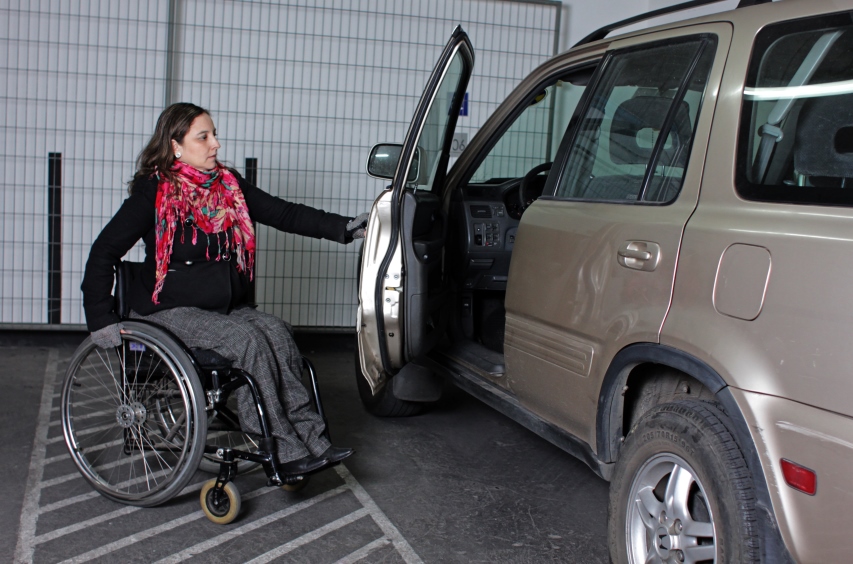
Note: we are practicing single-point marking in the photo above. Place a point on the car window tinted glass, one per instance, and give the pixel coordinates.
(535, 135)
(435, 129)
(633, 141)
(796, 136)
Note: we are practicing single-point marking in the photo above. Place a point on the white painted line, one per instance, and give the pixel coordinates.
(149, 475)
(102, 413)
(364, 551)
(154, 531)
(62, 531)
(78, 403)
(258, 523)
(66, 502)
(88, 450)
(28, 540)
(57, 458)
(400, 543)
(32, 493)
(89, 431)
(59, 480)
(309, 537)
(94, 493)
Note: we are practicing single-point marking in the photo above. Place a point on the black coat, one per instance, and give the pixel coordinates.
(192, 280)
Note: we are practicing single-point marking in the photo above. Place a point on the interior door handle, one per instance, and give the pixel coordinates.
(639, 255)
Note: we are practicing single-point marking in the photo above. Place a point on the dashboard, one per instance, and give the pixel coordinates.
(485, 220)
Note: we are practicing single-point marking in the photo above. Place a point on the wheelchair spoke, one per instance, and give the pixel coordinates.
(120, 386)
(92, 370)
(134, 419)
(102, 453)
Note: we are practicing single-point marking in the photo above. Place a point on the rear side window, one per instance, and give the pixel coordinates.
(633, 140)
(796, 135)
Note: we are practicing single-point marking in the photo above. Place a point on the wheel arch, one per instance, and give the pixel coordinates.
(611, 412)
(611, 405)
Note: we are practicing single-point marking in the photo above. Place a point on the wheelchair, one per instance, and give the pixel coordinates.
(141, 419)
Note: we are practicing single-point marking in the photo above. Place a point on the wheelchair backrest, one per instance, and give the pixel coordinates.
(126, 272)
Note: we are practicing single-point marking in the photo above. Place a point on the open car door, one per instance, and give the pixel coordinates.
(401, 286)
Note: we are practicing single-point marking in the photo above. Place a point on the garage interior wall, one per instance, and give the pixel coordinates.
(299, 91)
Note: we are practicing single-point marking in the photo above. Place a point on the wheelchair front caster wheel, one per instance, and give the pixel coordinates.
(297, 486)
(224, 509)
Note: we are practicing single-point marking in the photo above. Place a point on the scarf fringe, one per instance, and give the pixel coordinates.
(214, 204)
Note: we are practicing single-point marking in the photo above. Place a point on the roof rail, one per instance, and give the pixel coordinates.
(602, 32)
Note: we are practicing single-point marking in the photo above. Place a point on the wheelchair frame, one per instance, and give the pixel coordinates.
(214, 376)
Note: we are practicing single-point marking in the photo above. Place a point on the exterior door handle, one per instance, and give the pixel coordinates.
(639, 255)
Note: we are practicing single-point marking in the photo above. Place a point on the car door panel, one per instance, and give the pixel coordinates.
(400, 283)
(590, 277)
(423, 239)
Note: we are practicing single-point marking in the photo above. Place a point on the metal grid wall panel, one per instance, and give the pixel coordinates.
(306, 88)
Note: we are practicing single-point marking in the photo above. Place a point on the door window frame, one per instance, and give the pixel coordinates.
(709, 42)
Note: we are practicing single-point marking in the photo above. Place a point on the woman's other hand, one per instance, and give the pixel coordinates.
(357, 228)
(108, 337)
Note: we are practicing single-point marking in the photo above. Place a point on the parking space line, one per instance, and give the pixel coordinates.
(92, 415)
(364, 551)
(77, 403)
(106, 466)
(400, 543)
(88, 450)
(66, 502)
(154, 531)
(62, 531)
(32, 493)
(248, 527)
(28, 540)
(89, 431)
(309, 537)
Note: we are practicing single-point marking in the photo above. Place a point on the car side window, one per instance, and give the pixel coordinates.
(633, 140)
(534, 136)
(796, 136)
(431, 142)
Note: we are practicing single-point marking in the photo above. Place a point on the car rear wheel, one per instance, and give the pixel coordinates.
(682, 491)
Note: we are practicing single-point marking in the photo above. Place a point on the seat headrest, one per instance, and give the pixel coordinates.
(643, 113)
(823, 145)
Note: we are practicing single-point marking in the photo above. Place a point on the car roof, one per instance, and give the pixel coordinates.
(756, 17)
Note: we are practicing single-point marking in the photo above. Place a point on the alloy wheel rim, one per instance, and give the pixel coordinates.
(669, 518)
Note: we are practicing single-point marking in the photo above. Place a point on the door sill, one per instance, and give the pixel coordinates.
(484, 362)
(472, 370)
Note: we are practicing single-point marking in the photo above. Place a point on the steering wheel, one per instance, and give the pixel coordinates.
(524, 196)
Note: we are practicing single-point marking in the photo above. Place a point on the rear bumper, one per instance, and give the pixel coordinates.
(814, 528)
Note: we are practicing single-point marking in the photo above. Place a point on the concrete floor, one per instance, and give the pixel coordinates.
(461, 483)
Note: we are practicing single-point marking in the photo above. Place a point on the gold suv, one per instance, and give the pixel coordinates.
(641, 257)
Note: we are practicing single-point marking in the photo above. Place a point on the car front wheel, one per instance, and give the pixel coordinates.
(681, 490)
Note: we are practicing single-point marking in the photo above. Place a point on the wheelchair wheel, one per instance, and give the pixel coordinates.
(223, 430)
(134, 417)
(223, 510)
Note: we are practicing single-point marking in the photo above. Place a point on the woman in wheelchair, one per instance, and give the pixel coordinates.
(196, 217)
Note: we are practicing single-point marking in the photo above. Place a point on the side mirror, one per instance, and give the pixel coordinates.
(383, 159)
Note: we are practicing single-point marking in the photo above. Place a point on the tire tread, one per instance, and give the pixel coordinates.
(709, 419)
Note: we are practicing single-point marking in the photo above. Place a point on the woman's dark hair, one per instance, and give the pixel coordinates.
(158, 155)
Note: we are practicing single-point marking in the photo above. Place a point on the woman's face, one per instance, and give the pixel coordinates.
(199, 146)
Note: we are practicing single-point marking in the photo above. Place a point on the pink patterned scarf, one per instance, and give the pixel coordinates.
(214, 203)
